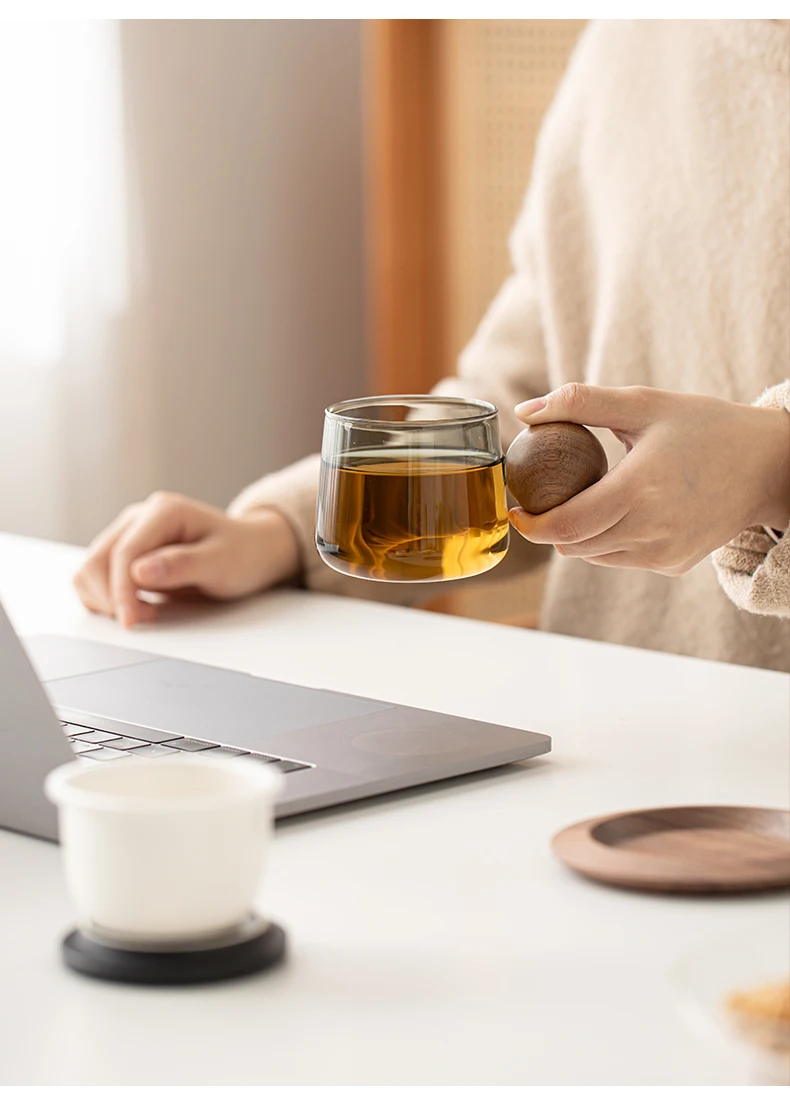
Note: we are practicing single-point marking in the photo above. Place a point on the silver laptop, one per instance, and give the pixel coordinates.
(102, 703)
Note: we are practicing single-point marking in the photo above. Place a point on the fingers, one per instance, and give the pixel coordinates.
(173, 567)
(631, 554)
(105, 582)
(643, 561)
(92, 587)
(91, 581)
(614, 560)
(621, 409)
(586, 515)
(163, 519)
(617, 539)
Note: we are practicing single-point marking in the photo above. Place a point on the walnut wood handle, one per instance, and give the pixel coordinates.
(548, 464)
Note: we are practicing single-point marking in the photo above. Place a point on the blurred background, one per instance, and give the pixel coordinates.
(211, 229)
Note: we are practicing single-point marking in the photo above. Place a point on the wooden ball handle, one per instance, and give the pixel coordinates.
(548, 464)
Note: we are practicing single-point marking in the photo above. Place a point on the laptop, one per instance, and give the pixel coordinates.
(67, 698)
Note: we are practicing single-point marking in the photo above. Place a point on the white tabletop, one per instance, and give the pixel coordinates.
(434, 938)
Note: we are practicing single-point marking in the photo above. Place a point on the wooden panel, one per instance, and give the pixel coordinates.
(453, 111)
(404, 191)
(498, 78)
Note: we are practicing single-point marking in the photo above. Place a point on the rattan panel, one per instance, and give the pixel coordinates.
(498, 78)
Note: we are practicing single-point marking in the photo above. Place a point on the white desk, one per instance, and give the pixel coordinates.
(434, 938)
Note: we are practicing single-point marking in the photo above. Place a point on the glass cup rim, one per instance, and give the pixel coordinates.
(337, 412)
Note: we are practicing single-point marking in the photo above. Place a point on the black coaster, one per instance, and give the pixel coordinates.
(246, 952)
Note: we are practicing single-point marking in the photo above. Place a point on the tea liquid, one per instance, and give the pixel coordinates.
(411, 518)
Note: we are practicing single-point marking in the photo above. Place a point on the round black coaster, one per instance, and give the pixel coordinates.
(181, 966)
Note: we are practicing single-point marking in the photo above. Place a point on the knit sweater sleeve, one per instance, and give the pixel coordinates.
(754, 568)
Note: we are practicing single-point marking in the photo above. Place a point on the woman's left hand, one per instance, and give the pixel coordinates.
(698, 470)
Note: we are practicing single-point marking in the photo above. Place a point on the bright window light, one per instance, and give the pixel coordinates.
(62, 196)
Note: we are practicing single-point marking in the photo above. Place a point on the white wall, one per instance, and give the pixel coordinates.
(206, 356)
(248, 237)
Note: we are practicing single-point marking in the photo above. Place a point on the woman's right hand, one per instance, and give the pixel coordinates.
(171, 542)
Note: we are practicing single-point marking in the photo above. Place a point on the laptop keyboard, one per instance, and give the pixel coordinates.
(101, 739)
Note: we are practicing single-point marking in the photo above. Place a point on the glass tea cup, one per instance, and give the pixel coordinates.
(412, 488)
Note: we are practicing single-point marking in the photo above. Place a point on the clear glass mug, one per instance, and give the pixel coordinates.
(412, 488)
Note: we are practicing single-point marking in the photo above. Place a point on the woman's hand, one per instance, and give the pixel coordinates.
(171, 542)
(698, 470)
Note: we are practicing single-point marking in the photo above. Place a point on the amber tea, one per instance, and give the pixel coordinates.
(412, 517)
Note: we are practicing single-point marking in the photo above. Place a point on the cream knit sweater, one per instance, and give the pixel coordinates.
(653, 248)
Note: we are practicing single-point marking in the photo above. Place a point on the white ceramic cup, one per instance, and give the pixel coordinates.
(167, 851)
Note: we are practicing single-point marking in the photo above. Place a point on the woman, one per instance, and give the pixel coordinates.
(649, 297)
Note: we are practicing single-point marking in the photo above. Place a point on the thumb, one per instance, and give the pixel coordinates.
(627, 409)
(172, 567)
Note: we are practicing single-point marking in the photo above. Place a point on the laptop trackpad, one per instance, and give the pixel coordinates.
(205, 702)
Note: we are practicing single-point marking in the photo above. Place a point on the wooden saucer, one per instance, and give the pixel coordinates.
(682, 850)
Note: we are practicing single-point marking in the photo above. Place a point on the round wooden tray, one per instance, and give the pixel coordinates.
(706, 849)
